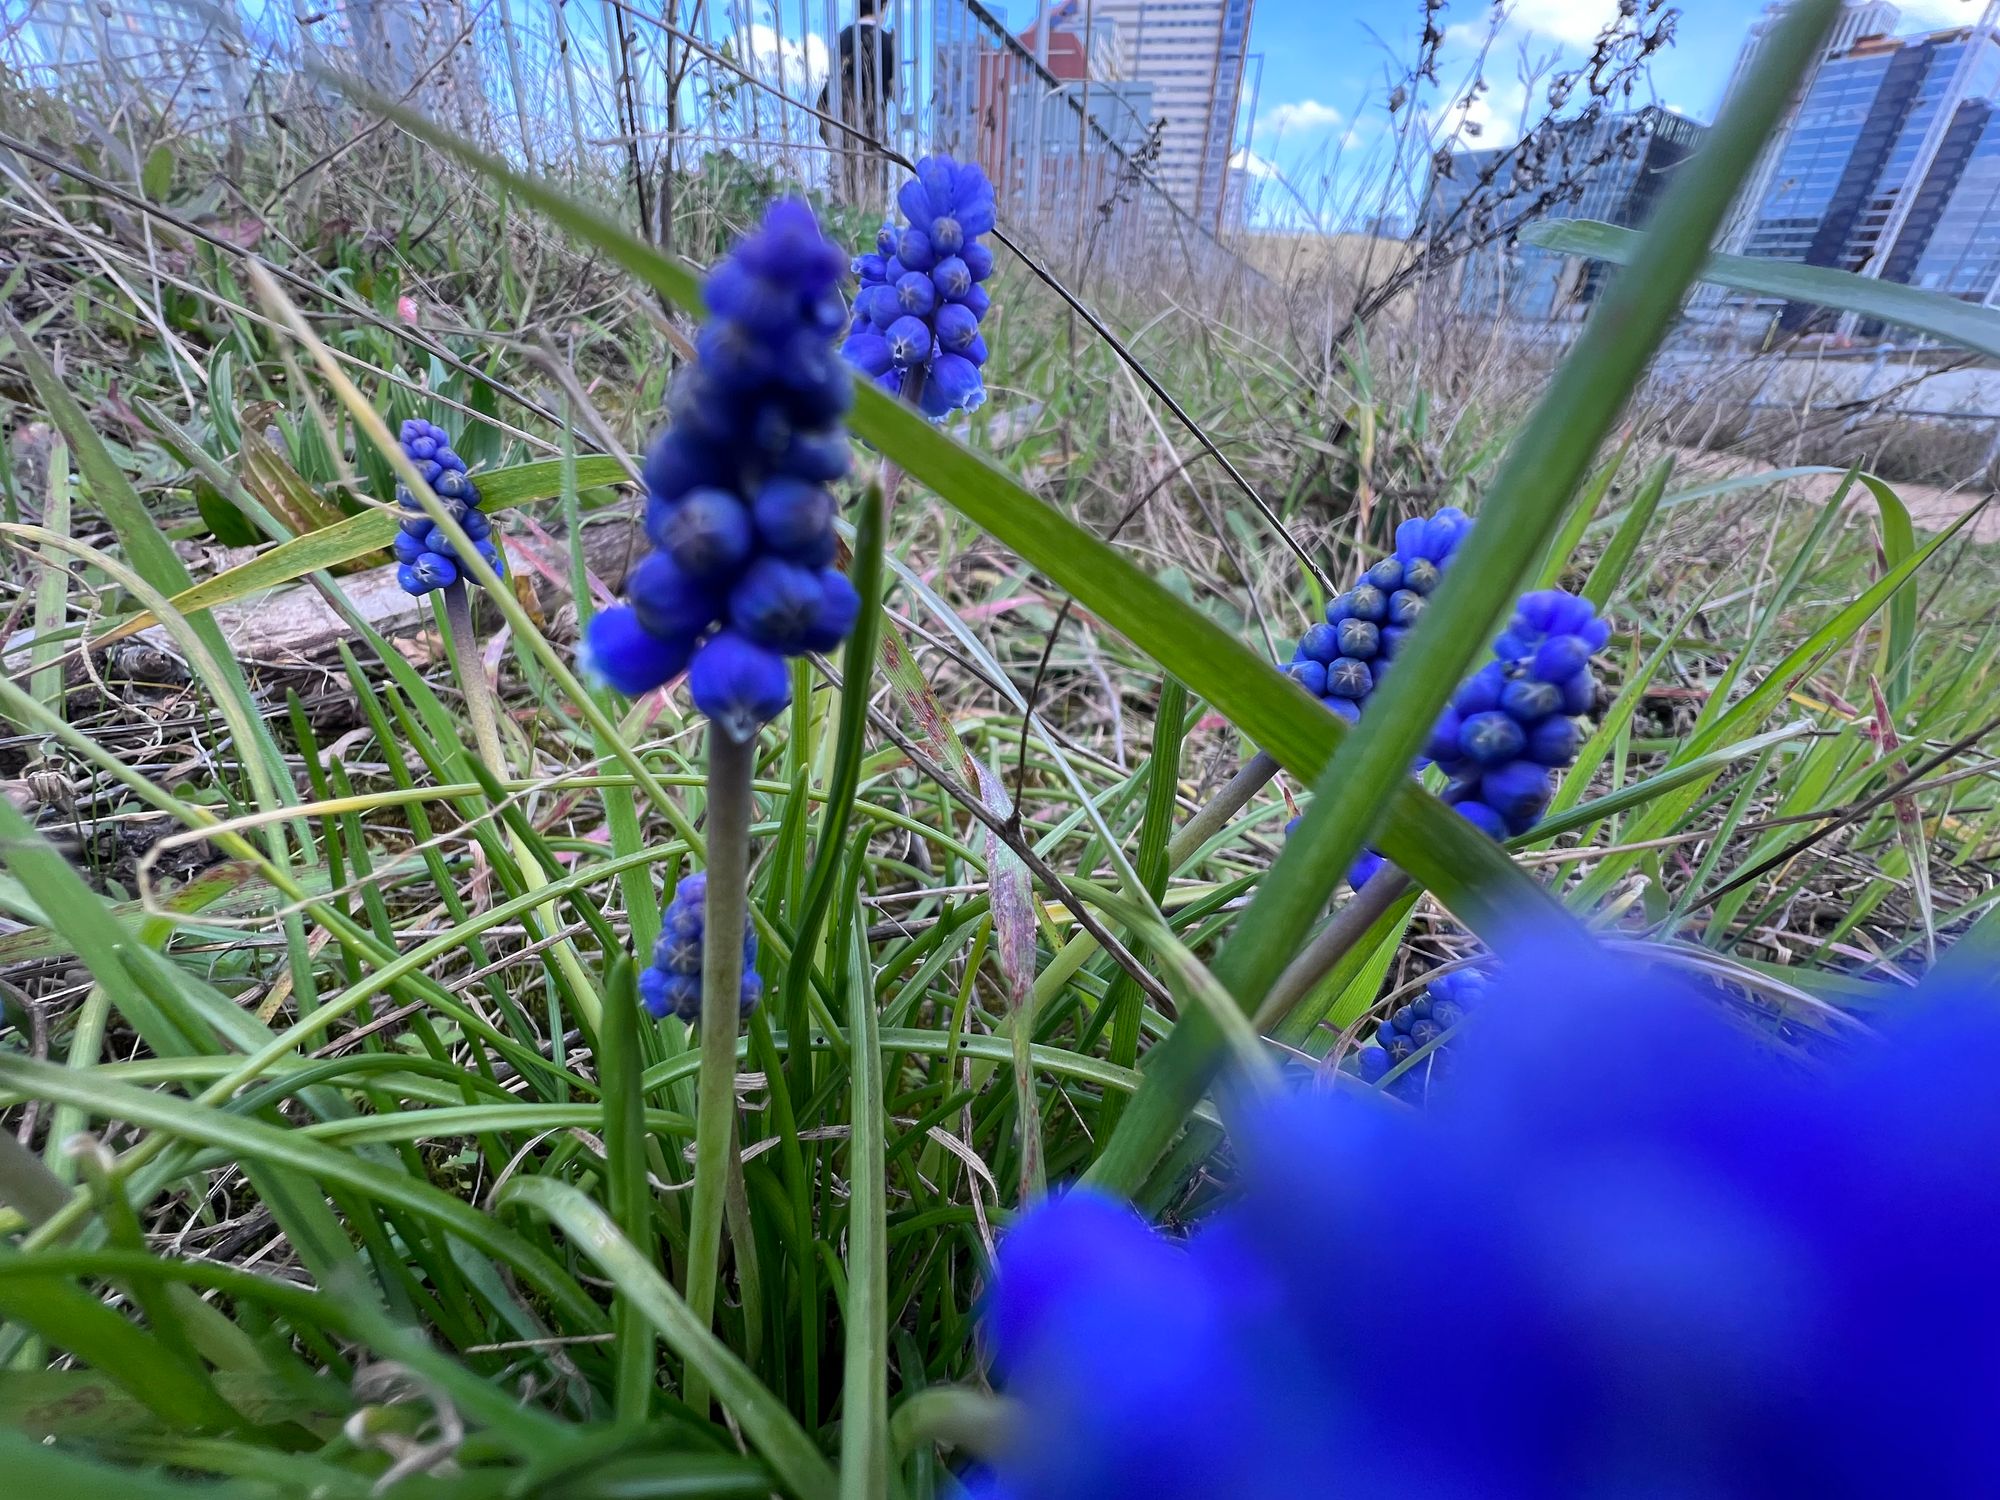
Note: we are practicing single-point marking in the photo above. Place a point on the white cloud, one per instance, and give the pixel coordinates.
(1573, 22)
(1299, 118)
(1940, 12)
(1250, 164)
(801, 69)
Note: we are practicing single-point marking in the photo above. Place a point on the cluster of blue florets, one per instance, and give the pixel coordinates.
(425, 557)
(672, 984)
(1340, 662)
(918, 310)
(1521, 718)
(1409, 1028)
(1516, 721)
(738, 508)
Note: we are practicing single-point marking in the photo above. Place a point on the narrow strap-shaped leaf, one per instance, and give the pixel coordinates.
(796, 1463)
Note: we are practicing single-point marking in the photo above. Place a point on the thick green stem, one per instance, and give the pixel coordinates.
(472, 678)
(729, 766)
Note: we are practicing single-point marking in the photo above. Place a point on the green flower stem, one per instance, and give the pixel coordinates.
(730, 763)
(472, 678)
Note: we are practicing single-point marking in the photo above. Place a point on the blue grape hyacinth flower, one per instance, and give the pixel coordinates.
(1518, 720)
(738, 509)
(917, 312)
(671, 984)
(1633, 1251)
(425, 557)
(1408, 1029)
(1340, 660)
(1521, 718)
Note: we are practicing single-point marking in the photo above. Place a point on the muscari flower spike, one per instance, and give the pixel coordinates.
(1445, 1002)
(738, 510)
(1518, 720)
(1339, 662)
(425, 557)
(920, 303)
(672, 983)
(1685, 1266)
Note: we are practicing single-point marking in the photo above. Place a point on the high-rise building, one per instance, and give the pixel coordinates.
(1609, 167)
(1888, 148)
(1858, 19)
(1194, 55)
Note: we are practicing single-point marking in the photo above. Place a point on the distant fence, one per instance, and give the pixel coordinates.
(648, 93)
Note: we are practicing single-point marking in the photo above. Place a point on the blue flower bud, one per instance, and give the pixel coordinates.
(915, 295)
(775, 604)
(1420, 575)
(668, 600)
(1321, 644)
(839, 607)
(1310, 675)
(738, 684)
(407, 548)
(1490, 739)
(1580, 693)
(909, 342)
(957, 329)
(956, 381)
(1405, 605)
(623, 655)
(914, 250)
(947, 235)
(1528, 701)
(795, 519)
(1482, 817)
(1348, 678)
(1366, 602)
(1386, 575)
(707, 533)
(1555, 742)
(978, 260)
(1343, 708)
(1359, 639)
(953, 281)
(1518, 791)
(1560, 658)
(435, 571)
(1480, 692)
(869, 353)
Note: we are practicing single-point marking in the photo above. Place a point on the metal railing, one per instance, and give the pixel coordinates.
(649, 95)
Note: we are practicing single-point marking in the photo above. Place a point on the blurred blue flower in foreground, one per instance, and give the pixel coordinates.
(672, 982)
(738, 509)
(425, 557)
(1630, 1253)
(918, 309)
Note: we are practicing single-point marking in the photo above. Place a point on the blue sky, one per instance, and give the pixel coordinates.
(1325, 62)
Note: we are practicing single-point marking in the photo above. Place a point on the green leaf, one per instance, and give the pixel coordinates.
(370, 531)
(1966, 324)
(768, 1427)
(1610, 569)
(158, 176)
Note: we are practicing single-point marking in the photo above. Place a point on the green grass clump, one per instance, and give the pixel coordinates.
(341, 1160)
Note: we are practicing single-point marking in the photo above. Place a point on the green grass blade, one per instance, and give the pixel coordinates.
(1610, 570)
(794, 1460)
(864, 1427)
